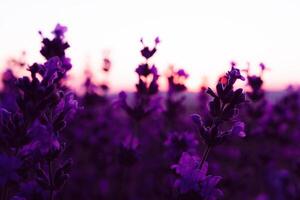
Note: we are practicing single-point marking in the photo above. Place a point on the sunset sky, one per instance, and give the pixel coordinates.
(202, 36)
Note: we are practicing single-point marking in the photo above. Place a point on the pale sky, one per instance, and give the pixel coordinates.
(202, 36)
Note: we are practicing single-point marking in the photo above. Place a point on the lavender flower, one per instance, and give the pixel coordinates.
(57, 47)
(223, 110)
(190, 173)
(31, 133)
(146, 51)
(193, 179)
(145, 90)
(174, 107)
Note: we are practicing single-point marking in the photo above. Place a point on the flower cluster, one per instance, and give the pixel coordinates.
(174, 100)
(223, 110)
(56, 47)
(254, 113)
(194, 183)
(147, 87)
(30, 135)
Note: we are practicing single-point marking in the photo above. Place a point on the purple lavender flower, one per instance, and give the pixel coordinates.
(30, 134)
(193, 178)
(147, 87)
(174, 107)
(255, 82)
(233, 75)
(176, 80)
(143, 70)
(223, 110)
(190, 173)
(45, 143)
(146, 51)
(209, 190)
(257, 111)
(220, 122)
(9, 91)
(57, 47)
(203, 98)
(59, 31)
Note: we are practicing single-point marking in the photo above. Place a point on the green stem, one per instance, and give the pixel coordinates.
(204, 156)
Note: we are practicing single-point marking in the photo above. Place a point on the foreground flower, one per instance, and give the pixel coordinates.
(193, 179)
(223, 111)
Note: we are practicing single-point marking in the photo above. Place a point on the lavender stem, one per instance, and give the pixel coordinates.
(204, 156)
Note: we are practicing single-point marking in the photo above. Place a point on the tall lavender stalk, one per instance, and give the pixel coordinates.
(223, 109)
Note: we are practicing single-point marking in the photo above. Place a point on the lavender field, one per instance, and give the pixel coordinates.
(233, 140)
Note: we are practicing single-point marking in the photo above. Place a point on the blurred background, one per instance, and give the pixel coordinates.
(201, 36)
